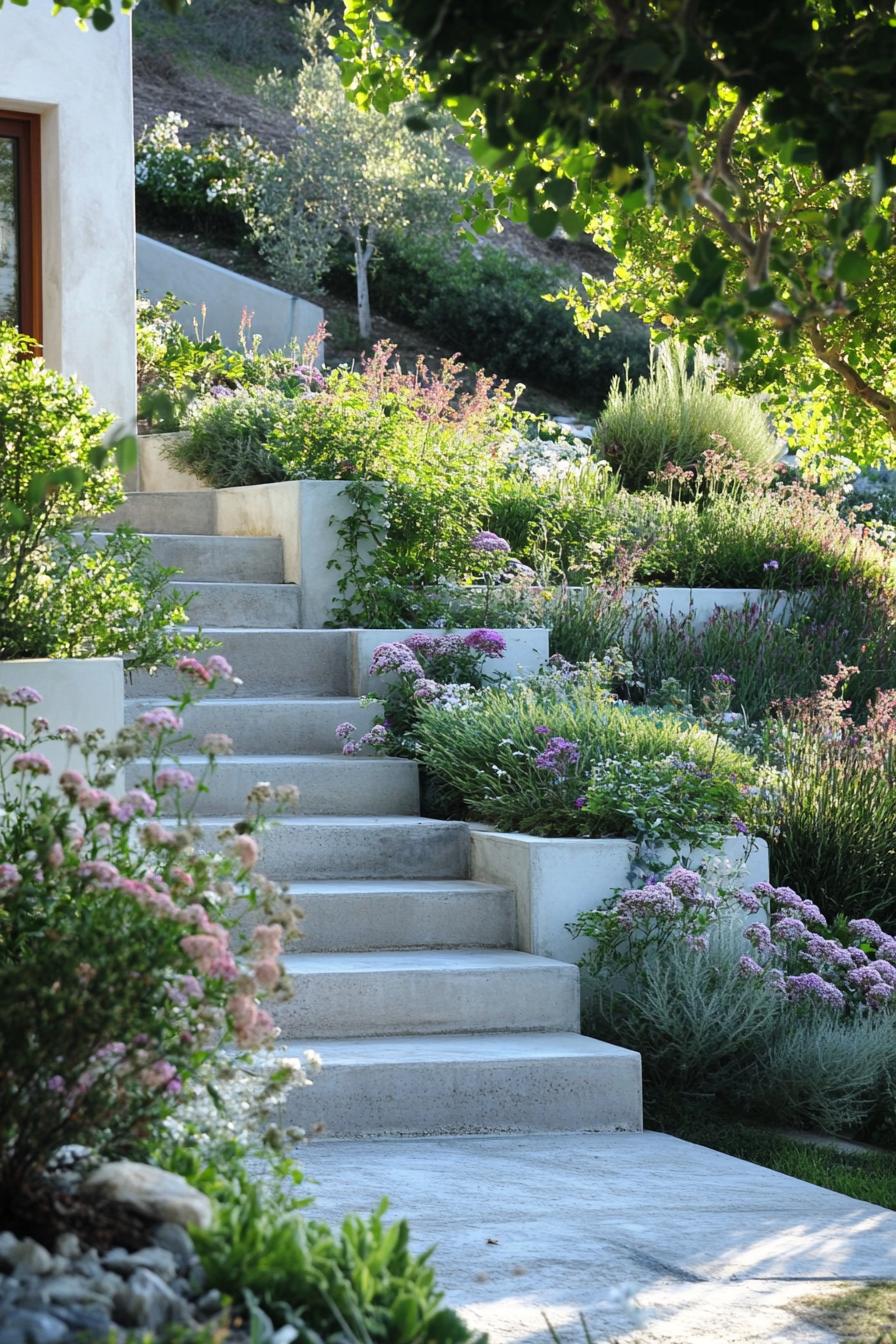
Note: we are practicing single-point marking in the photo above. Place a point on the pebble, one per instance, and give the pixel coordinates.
(146, 1300)
(32, 1327)
(77, 1293)
(176, 1239)
(29, 1257)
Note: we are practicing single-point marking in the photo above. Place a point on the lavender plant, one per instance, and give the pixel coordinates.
(747, 996)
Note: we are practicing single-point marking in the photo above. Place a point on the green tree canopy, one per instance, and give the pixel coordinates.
(101, 13)
(737, 159)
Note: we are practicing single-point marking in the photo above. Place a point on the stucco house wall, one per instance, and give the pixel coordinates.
(80, 83)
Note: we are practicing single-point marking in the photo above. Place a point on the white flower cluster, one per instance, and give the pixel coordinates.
(549, 453)
(237, 1103)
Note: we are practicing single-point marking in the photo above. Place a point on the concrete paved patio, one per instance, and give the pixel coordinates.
(714, 1250)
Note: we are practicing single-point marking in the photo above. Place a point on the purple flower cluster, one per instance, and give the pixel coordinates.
(395, 657)
(490, 643)
(489, 543)
(657, 899)
(810, 985)
(558, 757)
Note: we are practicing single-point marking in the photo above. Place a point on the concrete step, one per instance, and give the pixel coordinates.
(427, 992)
(270, 662)
(218, 559)
(375, 916)
(236, 605)
(328, 785)
(298, 849)
(270, 724)
(467, 1084)
(185, 511)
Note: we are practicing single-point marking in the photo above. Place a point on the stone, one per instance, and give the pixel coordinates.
(209, 1302)
(68, 1245)
(197, 1279)
(146, 1300)
(8, 1244)
(29, 1257)
(157, 1194)
(156, 1258)
(93, 1321)
(32, 1327)
(174, 1238)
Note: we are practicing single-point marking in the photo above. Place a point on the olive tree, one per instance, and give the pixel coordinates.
(350, 172)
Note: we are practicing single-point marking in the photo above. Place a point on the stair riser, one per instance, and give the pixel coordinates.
(242, 605)
(358, 1101)
(191, 512)
(305, 727)
(383, 921)
(221, 559)
(270, 662)
(332, 787)
(298, 854)
(397, 1003)
(359, 924)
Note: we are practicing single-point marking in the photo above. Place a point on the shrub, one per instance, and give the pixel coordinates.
(58, 596)
(558, 755)
(833, 828)
(673, 416)
(772, 654)
(417, 671)
(213, 182)
(490, 304)
(117, 976)
(229, 431)
(780, 1020)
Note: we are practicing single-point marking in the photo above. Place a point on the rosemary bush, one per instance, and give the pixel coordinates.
(674, 415)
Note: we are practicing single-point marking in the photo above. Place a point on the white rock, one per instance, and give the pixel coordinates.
(151, 1191)
(68, 1245)
(29, 1257)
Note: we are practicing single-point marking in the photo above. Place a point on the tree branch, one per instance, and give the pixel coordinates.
(722, 162)
(852, 380)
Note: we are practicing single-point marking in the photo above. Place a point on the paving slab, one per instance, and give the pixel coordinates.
(711, 1249)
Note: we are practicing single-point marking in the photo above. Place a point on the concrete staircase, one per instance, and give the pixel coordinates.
(407, 980)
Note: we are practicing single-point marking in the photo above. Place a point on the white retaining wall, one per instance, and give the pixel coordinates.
(277, 317)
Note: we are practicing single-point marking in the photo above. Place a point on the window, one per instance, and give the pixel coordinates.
(20, 221)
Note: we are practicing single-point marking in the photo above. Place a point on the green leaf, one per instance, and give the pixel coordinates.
(853, 267)
(126, 450)
(761, 296)
(543, 222)
(560, 191)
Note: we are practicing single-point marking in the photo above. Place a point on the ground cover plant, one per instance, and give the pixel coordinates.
(60, 594)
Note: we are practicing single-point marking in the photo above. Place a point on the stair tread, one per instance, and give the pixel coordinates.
(458, 960)
(292, 758)
(395, 822)
(463, 1047)
(374, 886)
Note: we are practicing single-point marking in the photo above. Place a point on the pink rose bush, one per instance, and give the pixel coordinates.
(121, 972)
(421, 669)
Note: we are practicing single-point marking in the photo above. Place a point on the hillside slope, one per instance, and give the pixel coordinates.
(204, 64)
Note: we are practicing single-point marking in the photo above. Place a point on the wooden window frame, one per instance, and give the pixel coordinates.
(24, 128)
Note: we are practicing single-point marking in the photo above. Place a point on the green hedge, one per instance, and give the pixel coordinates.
(490, 307)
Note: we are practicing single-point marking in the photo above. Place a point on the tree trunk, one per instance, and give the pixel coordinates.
(363, 253)
(852, 380)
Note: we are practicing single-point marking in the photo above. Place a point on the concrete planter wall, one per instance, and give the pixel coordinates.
(555, 880)
(526, 650)
(84, 692)
(678, 602)
(154, 472)
(305, 515)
